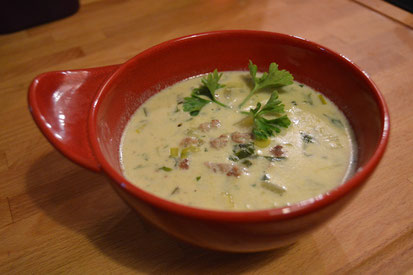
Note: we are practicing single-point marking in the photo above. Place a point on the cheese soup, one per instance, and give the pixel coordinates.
(215, 157)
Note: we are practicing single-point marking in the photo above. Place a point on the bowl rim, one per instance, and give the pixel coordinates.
(261, 215)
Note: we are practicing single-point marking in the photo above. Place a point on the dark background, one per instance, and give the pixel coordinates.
(404, 4)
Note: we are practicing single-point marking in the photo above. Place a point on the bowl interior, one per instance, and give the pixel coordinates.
(163, 65)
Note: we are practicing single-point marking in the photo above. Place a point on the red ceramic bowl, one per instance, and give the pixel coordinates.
(83, 114)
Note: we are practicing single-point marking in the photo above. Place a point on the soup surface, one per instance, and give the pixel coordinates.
(212, 159)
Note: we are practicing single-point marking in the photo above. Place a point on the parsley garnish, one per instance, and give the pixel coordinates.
(194, 104)
(210, 84)
(247, 163)
(265, 128)
(243, 150)
(274, 78)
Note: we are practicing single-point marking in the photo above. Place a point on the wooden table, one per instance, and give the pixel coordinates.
(56, 217)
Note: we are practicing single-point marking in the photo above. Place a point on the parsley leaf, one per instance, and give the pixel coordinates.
(210, 84)
(273, 105)
(243, 150)
(274, 78)
(194, 104)
(263, 127)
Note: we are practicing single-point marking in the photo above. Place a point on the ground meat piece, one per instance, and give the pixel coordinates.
(205, 127)
(277, 151)
(215, 123)
(226, 168)
(241, 137)
(216, 167)
(235, 171)
(219, 142)
(188, 141)
(184, 164)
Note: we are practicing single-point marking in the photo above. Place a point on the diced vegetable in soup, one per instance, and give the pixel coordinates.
(238, 141)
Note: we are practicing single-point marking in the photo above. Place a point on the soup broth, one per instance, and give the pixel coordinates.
(211, 160)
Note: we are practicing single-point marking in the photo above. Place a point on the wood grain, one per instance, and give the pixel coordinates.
(56, 217)
(391, 11)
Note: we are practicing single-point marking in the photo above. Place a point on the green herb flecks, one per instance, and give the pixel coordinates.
(204, 94)
(166, 169)
(243, 150)
(274, 78)
(272, 159)
(335, 121)
(307, 138)
(175, 191)
(145, 111)
(198, 178)
(309, 99)
(233, 158)
(264, 128)
(246, 162)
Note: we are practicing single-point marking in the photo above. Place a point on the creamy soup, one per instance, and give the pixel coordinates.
(213, 159)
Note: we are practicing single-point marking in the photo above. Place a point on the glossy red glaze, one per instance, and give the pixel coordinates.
(60, 103)
(110, 95)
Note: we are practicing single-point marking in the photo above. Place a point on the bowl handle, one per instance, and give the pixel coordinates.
(60, 103)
